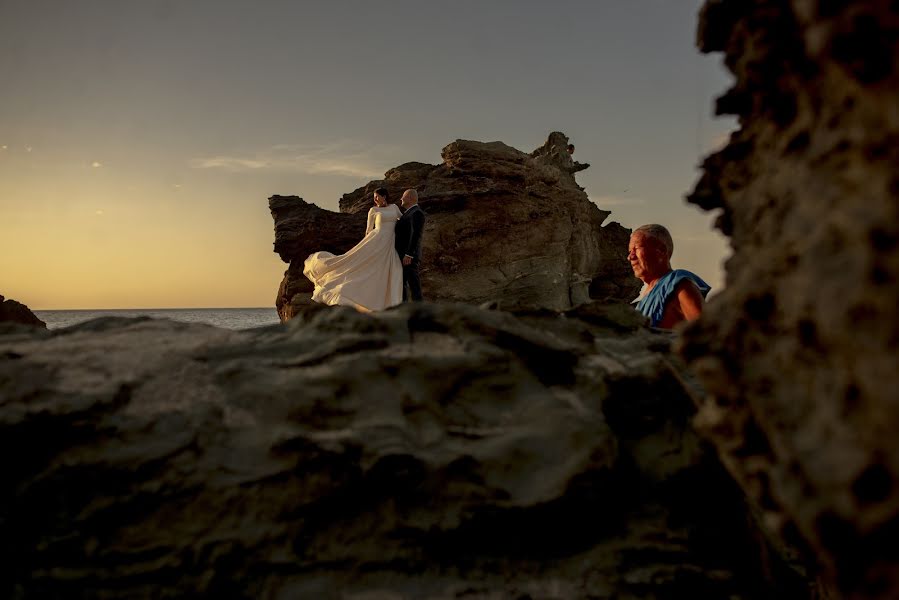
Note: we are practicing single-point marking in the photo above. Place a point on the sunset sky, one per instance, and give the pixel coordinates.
(139, 141)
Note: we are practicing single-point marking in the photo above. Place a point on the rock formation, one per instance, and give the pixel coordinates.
(800, 352)
(427, 452)
(503, 226)
(16, 312)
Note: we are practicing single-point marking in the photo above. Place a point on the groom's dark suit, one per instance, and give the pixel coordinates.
(408, 243)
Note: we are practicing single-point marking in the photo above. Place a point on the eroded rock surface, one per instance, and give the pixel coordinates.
(800, 351)
(426, 452)
(502, 226)
(16, 312)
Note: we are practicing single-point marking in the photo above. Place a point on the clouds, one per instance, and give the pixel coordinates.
(346, 158)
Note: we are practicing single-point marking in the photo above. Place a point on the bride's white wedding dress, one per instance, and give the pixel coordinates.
(369, 276)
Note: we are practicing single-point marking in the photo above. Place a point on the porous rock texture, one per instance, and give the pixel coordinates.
(426, 452)
(800, 352)
(16, 312)
(503, 226)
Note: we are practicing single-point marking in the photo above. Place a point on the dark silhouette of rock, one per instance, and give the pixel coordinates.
(429, 451)
(554, 152)
(503, 226)
(16, 312)
(799, 353)
(300, 230)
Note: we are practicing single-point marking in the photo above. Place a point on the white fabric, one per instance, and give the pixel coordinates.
(369, 276)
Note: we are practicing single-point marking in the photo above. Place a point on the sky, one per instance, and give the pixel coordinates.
(140, 141)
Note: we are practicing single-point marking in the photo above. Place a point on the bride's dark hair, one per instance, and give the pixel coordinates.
(383, 193)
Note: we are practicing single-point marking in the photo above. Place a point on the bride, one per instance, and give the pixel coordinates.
(370, 275)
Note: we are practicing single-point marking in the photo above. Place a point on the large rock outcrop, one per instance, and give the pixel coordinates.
(800, 352)
(503, 226)
(426, 452)
(16, 312)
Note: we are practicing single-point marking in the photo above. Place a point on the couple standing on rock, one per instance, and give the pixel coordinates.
(376, 272)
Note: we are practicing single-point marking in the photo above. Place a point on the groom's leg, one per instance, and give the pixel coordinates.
(414, 281)
(405, 284)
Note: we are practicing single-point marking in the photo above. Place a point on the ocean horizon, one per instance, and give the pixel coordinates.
(227, 318)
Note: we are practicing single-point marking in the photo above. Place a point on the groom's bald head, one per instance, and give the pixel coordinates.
(410, 197)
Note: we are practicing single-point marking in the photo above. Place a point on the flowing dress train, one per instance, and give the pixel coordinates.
(369, 276)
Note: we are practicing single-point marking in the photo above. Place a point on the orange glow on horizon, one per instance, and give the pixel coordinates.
(117, 248)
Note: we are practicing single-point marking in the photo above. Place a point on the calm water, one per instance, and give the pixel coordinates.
(229, 318)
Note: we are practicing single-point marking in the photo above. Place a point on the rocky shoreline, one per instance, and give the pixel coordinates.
(430, 451)
(16, 312)
(557, 448)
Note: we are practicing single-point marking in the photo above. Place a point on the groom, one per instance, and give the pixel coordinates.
(408, 243)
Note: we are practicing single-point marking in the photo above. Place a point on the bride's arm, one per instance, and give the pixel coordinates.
(371, 221)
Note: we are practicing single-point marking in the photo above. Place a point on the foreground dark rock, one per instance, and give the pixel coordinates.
(16, 312)
(799, 352)
(431, 451)
(503, 226)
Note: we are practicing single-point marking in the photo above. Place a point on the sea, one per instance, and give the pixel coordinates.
(228, 318)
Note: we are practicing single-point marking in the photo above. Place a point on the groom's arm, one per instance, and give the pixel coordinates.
(418, 225)
(407, 260)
